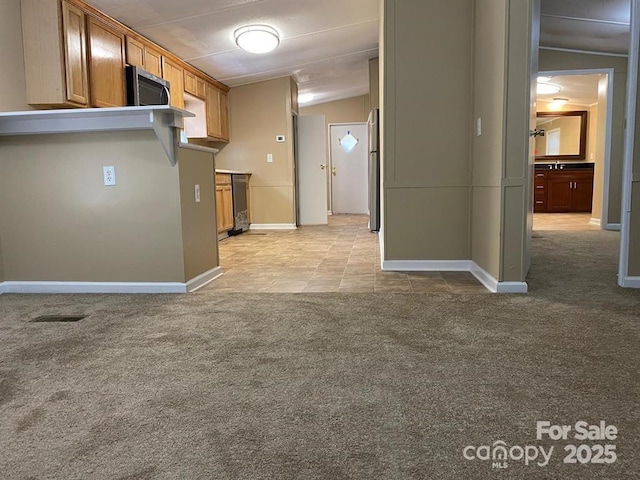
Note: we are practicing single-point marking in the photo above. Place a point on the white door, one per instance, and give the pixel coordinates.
(553, 142)
(311, 156)
(349, 168)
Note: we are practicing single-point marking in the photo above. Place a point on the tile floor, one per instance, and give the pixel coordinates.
(343, 256)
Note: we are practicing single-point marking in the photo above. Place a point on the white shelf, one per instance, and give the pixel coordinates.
(164, 121)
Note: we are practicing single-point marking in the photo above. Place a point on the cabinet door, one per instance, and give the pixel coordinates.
(201, 88)
(73, 26)
(135, 52)
(220, 221)
(214, 126)
(582, 193)
(224, 115)
(106, 65)
(175, 75)
(153, 61)
(559, 192)
(190, 83)
(228, 207)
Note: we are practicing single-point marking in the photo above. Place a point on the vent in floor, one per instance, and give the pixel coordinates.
(59, 318)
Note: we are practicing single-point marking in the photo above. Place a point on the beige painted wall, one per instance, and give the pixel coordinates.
(374, 83)
(426, 128)
(199, 231)
(634, 216)
(488, 152)
(553, 61)
(13, 94)
(58, 222)
(259, 112)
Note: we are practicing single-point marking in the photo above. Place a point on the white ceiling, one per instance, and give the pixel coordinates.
(591, 25)
(325, 44)
(578, 89)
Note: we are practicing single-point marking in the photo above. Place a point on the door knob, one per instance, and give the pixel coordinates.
(333, 170)
(322, 166)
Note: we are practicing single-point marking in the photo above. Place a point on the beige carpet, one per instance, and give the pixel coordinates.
(324, 386)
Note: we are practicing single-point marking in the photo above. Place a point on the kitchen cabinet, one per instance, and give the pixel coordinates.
(54, 44)
(224, 202)
(217, 113)
(563, 190)
(143, 55)
(174, 74)
(195, 85)
(106, 51)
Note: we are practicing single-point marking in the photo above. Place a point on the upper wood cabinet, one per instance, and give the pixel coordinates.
(144, 56)
(175, 75)
(106, 64)
(217, 113)
(195, 85)
(54, 42)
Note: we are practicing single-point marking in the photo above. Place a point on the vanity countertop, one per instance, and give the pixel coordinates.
(564, 165)
(234, 172)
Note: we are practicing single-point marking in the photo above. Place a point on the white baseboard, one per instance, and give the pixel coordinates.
(200, 281)
(630, 282)
(427, 265)
(484, 277)
(3, 288)
(595, 221)
(613, 226)
(512, 287)
(272, 226)
(94, 287)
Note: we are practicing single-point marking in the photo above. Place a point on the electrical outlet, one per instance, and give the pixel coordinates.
(269, 157)
(109, 175)
(197, 193)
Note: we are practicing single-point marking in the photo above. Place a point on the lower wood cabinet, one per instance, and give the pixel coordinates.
(566, 190)
(224, 202)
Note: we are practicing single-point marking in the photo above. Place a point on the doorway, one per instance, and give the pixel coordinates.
(349, 168)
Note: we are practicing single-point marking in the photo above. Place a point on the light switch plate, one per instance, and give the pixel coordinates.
(109, 175)
(270, 157)
(197, 193)
(479, 126)
(280, 138)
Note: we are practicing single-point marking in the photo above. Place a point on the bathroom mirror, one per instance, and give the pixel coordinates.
(565, 135)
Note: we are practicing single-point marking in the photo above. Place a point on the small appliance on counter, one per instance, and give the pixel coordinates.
(146, 89)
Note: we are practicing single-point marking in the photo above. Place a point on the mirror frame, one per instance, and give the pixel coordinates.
(582, 155)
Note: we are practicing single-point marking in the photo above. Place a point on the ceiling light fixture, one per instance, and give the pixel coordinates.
(560, 101)
(257, 38)
(543, 79)
(547, 89)
(305, 98)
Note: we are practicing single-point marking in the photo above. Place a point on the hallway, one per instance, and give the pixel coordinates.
(343, 256)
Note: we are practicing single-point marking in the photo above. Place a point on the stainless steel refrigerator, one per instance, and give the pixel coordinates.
(374, 170)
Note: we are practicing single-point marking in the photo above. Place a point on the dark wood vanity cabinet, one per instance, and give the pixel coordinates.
(563, 190)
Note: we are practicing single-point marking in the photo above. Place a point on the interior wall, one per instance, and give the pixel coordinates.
(600, 147)
(426, 135)
(199, 230)
(58, 221)
(349, 110)
(13, 94)
(551, 60)
(634, 215)
(259, 112)
(374, 83)
(488, 151)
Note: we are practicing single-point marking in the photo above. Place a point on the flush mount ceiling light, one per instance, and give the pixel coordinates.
(543, 79)
(547, 88)
(257, 38)
(305, 98)
(560, 101)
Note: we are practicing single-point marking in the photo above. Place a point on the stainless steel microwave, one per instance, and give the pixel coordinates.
(144, 88)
